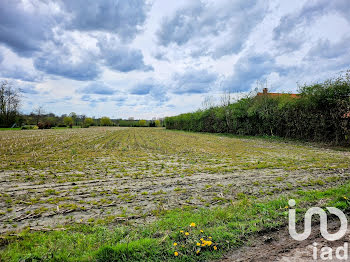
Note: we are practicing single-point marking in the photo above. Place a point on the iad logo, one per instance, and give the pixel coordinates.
(341, 253)
(323, 223)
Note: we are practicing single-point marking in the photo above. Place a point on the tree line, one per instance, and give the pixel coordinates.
(320, 113)
(10, 115)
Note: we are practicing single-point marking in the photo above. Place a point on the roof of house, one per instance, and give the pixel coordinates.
(265, 92)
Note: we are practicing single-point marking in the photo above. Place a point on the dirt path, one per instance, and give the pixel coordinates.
(279, 246)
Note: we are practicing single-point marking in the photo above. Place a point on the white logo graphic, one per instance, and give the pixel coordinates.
(323, 223)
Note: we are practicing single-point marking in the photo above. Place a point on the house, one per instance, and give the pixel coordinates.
(266, 93)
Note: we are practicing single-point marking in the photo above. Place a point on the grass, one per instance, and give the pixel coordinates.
(9, 128)
(227, 227)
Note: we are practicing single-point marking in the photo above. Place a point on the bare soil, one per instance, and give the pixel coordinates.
(279, 246)
(50, 178)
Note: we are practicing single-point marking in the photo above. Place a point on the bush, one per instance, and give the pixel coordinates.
(44, 125)
(319, 114)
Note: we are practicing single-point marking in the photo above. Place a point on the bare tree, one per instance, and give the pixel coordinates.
(38, 112)
(9, 103)
(225, 102)
(208, 102)
(226, 98)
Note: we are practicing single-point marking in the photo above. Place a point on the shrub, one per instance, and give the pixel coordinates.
(321, 113)
(44, 125)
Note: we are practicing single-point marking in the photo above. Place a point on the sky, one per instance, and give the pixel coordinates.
(158, 58)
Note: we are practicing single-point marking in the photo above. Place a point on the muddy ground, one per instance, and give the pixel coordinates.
(50, 178)
(280, 247)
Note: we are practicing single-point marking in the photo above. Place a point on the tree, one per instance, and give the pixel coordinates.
(9, 104)
(38, 112)
(51, 121)
(142, 122)
(208, 102)
(73, 115)
(157, 122)
(88, 122)
(106, 121)
(82, 119)
(68, 121)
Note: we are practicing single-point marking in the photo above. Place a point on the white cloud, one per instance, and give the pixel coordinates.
(156, 58)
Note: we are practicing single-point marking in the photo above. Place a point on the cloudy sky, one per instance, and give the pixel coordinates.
(157, 58)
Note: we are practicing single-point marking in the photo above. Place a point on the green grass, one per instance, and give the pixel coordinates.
(227, 226)
(9, 128)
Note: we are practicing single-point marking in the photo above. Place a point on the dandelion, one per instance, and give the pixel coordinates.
(175, 244)
(202, 239)
(209, 237)
(187, 234)
(176, 253)
(345, 198)
(192, 224)
(209, 243)
(215, 248)
(201, 231)
(198, 244)
(181, 231)
(198, 250)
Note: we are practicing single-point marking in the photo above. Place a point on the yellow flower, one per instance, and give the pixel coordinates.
(215, 248)
(345, 198)
(209, 237)
(201, 231)
(209, 243)
(186, 234)
(181, 231)
(202, 239)
(193, 225)
(203, 245)
(176, 254)
(198, 244)
(286, 207)
(175, 244)
(198, 251)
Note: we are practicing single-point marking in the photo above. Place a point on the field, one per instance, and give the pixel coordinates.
(57, 180)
